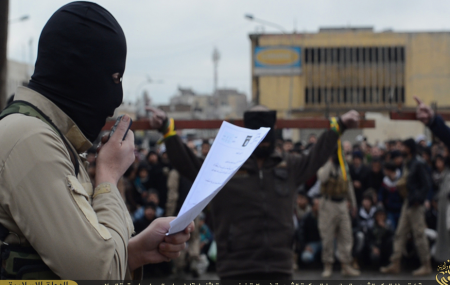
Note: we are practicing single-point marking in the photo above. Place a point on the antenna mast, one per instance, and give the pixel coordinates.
(215, 58)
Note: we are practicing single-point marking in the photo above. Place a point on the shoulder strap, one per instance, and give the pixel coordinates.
(4, 232)
(28, 109)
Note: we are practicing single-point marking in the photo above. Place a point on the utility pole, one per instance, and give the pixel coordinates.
(4, 10)
(215, 58)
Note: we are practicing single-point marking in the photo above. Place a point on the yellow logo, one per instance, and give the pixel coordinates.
(37, 282)
(443, 275)
(278, 56)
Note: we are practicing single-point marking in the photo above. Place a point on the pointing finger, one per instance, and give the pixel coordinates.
(418, 101)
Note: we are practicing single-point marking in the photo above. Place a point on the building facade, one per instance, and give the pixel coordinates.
(337, 69)
(18, 74)
(223, 104)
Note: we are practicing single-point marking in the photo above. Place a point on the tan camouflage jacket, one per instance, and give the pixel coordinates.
(324, 173)
(79, 232)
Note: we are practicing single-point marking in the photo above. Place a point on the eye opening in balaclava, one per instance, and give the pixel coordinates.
(117, 77)
(257, 117)
(81, 49)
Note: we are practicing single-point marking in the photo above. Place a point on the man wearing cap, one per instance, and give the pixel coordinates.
(252, 214)
(412, 217)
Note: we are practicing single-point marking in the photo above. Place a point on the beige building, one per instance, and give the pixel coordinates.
(18, 74)
(223, 104)
(188, 105)
(337, 69)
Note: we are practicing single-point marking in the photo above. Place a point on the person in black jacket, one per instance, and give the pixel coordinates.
(412, 218)
(158, 171)
(389, 194)
(149, 216)
(375, 178)
(252, 214)
(310, 241)
(379, 239)
(437, 125)
(360, 176)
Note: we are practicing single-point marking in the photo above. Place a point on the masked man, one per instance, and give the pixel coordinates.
(252, 214)
(53, 222)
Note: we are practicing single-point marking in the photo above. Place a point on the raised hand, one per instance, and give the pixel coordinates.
(115, 155)
(424, 113)
(350, 119)
(157, 118)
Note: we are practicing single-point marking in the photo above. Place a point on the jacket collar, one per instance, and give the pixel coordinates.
(65, 124)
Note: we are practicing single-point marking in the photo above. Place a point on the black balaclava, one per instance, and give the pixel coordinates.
(257, 119)
(80, 48)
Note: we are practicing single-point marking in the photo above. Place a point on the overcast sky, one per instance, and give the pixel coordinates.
(173, 40)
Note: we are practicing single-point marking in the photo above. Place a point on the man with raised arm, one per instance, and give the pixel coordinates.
(252, 214)
(434, 122)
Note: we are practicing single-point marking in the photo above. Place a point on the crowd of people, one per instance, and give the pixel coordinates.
(365, 205)
(370, 206)
(377, 174)
(152, 188)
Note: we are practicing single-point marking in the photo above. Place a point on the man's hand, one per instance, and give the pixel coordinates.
(115, 156)
(350, 119)
(424, 113)
(153, 246)
(156, 118)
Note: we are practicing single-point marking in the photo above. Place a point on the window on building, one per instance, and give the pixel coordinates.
(364, 95)
(364, 75)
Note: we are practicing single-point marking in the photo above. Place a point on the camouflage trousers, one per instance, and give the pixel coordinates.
(334, 222)
(411, 219)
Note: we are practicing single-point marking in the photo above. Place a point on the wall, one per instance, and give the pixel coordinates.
(17, 74)
(427, 68)
(387, 129)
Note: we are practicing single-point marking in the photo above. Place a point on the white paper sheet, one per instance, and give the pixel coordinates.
(231, 148)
